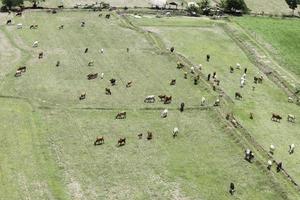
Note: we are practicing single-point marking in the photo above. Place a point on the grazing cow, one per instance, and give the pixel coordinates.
(251, 116)
(8, 22)
(122, 141)
(172, 49)
(203, 101)
(162, 97)
(121, 115)
(149, 135)
(86, 50)
(129, 84)
(242, 82)
(272, 149)
(102, 51)
(231, 69)
(173, 82)
(107, 91)
(19, 14)
(35, 44)
(91, 63)
(290, 100)
(207, 57)
(107, 16)
(102, 75)
(276, 117)
(33, 26)
(82, 24)
(238, 66)
(238, 96)
(245, 70)
(18, 73)
(231, 188)
(60, 6)
(164, 113)
(270, 163)
(258, 79)
(168, 100)
(208, 77)
(58, 63)
(61, 27)
(99, 141)
(180, 65)
(82, 96)
(291, 118)
(140, 135)
(196, 80)
(19, 26)
(279, 167)
(193, 70)
(22, 69)
(113, 81)
(217, 82)
(214, 75)
(182, 107)
(291, 148)
(92, 76)
(185, 75)
(249, 155)
(150, 99)
(175, 132)
(217, 102)
(41, 54)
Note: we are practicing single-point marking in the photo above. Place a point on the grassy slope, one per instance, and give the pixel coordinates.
(283, 35)
(55, 139)
(195, 43)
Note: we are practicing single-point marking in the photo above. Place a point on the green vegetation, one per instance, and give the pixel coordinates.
(47, 134)
(282, 36)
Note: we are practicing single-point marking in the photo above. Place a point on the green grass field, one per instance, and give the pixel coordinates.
(282, 35)
(209, 38)
(47, 134)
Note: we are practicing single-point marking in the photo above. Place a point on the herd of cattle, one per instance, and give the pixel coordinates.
(249, 155)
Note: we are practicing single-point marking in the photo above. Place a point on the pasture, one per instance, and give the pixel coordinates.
(210, 38)
(47, 133)
(281, 36)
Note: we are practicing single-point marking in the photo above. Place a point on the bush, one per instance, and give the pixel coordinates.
(234, 6)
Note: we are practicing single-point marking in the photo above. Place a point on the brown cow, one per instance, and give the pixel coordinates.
(168, 100)
(121, 115)
(107, 91)
(99, 141)
(41, 54)
(150, 135)
(122, 141)
(162, 97)
(276, 117)
(92, 76)
(238, 96)
(173, 82)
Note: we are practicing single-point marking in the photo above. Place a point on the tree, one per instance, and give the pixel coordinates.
(292, 4)
(205, 7)
(234, 6)
(35, 2)
(12, 3)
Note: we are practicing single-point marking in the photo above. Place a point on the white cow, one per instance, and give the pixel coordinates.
(102, 50)
(193, 70)
(175, 132)
(19, 26)
(291, 118)
(203, 101)
(272, 149)
(291, 148)
(290, 100)
(35, 44)
(238, 66)
(242, 82)
(150, 99)
(102, 75)
(164, 113)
